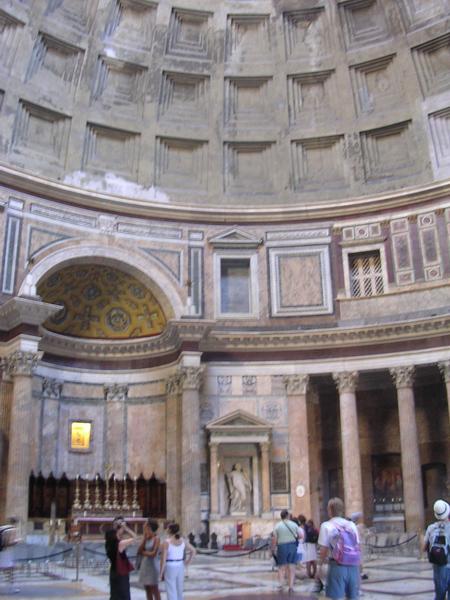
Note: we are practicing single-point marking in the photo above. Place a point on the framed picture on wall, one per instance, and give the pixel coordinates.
(80, 436)
(387, 478)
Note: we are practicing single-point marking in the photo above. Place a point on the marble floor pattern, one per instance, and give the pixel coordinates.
(212, 578)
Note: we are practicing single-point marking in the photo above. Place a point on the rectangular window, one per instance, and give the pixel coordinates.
(235, 286)
(366, 275)
(279, 477)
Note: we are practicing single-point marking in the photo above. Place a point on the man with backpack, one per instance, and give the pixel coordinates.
(437, 544)
(339, 543)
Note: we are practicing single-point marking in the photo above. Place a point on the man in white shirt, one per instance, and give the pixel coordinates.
(439, 529)
(343, 577)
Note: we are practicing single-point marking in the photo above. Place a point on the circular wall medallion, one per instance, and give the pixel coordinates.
(117, 319)
(300, 491)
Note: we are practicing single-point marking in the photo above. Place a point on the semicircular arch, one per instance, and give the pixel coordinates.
(142, 266)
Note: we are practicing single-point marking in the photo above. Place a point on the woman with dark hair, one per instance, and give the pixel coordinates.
(176, 553)
(149, 570)
(117, 541)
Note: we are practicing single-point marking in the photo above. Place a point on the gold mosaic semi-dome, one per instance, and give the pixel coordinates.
(218, 103)
(101, 302)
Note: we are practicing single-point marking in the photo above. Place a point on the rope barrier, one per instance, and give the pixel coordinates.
(216, 555)
(46, 556)
(392, 545)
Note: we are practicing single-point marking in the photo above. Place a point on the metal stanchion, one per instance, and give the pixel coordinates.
(77, 562)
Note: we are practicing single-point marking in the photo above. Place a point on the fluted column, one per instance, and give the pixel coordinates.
(173, 446)
(351, 458)
(296, 389)
(116, 450)
(190, 449)
(411, 466)
(214, 483)
(265, 480)
(444, 367)
(6, 389)
(20, 366)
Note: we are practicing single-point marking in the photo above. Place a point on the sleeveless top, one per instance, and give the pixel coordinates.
(175, 553)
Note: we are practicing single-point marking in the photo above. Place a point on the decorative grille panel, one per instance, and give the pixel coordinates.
(366, 275)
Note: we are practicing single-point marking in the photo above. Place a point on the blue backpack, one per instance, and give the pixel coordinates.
(345, 547)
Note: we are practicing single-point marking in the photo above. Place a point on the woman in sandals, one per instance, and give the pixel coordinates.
(149, 569)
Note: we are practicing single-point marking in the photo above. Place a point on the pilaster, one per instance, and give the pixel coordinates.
(116, 430)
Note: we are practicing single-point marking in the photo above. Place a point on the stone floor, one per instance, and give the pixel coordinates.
(210, 578)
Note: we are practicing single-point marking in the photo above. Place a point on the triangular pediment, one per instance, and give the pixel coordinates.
(239, 420)
(235, 238)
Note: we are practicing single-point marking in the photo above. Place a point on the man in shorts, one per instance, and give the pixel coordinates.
(342, 580)
(285, 537)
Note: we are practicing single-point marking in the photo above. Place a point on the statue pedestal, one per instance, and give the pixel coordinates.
(255, 527)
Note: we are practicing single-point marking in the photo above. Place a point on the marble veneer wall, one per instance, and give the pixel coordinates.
(217, 101)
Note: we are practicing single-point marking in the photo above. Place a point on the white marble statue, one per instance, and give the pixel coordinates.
(240, 489)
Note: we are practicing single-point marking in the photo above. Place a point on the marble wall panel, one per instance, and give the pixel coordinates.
(146, 425)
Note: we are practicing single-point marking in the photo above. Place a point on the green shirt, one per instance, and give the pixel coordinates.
(286, 532)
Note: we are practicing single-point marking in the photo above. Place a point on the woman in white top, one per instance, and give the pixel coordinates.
(176, 553)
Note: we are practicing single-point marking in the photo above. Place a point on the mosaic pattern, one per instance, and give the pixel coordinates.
(101, 302)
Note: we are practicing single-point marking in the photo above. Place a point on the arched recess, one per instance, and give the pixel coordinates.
(141, 266)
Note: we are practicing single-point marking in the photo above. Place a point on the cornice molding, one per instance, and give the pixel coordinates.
(336, 337)
(30, 311)
(54, 190)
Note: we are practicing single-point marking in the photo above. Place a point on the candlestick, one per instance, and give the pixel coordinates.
(97, 503)
(87, 504)
(115, 503)
(135, 504)
(125, 505)
(76, 502)
(106, 502)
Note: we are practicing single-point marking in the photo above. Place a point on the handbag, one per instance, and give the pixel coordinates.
(123, 564)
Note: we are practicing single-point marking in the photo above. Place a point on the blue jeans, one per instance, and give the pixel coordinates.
(342, 581)
(441, 577)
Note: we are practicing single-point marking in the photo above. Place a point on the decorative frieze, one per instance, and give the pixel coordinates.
(346, 381)
(402, 376)
(249, 385)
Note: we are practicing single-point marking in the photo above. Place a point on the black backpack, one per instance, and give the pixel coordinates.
(438, 546)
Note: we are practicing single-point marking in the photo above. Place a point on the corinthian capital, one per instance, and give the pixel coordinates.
(346, 381)
(444, 368)
(402, 376)
(20, 363)
(115, 392)
(192, 377)
(174, 384)
(296, 384)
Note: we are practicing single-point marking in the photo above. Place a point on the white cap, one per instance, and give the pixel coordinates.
(441, 510)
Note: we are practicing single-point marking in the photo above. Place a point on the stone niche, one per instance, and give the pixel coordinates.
(239, 473)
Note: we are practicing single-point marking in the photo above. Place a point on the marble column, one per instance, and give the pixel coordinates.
(20, 366)
(351, 458)
(6, 389)
(265, 479)
(444, 367)
(116, 430)
(173, 446)
(296, 389)
(214, 482)
(190, 449)
(411, 465)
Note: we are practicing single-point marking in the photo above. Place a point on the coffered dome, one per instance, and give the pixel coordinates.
(224, 103)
